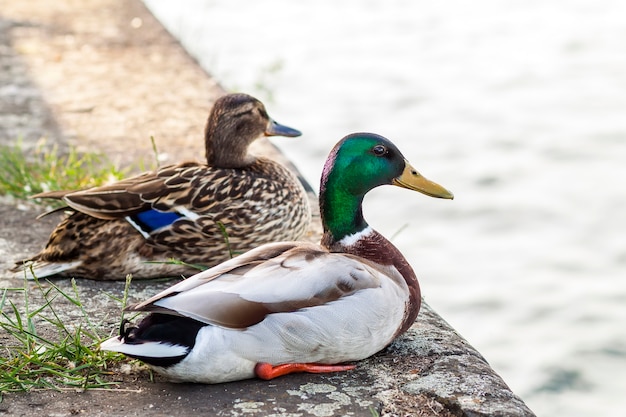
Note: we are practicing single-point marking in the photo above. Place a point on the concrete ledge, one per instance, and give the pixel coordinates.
(102, 73)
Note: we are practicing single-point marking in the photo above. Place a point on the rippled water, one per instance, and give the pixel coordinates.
(518, 107)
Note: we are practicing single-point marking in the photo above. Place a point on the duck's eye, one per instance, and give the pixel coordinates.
(379, 150)
(263, 114)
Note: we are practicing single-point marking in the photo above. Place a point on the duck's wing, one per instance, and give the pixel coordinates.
(112, 200)
(239, 265)
(173, 188)
(54, 195)
(134, 194)
(277, 277)
(104, 202)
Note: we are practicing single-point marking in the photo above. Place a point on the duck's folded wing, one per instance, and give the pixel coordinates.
(242, 292)
(110, 201)
(54, 195)
(165, 190)
(236, 266)
(105, 202)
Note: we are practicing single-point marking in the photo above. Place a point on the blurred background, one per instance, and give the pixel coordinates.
(518, 107)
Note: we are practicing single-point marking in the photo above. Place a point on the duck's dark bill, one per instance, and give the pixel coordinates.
(276, 129)
(413, 180)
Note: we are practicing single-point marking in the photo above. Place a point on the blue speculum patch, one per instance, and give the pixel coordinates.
(152, 220)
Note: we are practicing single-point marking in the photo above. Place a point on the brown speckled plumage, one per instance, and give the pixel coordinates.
(255, 199)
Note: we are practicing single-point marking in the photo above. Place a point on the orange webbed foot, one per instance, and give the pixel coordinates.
(268, 371)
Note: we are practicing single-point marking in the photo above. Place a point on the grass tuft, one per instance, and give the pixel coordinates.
(70, 359)
(47, 169)
(38, 350)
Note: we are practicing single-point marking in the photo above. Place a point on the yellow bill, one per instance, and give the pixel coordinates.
(413, 180)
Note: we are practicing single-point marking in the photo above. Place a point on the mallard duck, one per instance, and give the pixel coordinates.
(292, 306)
(198, 213)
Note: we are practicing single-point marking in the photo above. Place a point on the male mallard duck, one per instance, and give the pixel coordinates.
(194, 212)
(292, 306)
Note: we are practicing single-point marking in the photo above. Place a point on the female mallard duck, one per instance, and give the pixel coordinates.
(292, 306)
(193, 212)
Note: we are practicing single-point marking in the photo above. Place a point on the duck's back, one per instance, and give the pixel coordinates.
(237, 209)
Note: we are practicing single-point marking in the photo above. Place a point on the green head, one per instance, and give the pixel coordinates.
(357, 164)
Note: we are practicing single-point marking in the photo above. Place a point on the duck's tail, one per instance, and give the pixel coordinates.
(145, 350)
(159, 340)
(40, 269)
